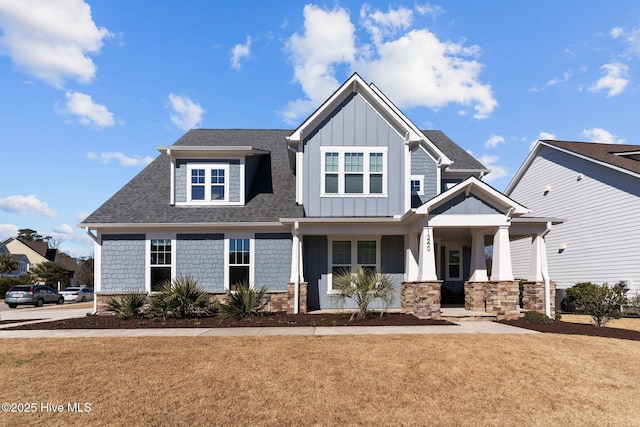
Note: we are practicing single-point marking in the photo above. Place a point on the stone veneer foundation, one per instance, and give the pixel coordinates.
(422, 299)
(533, 297)
(499, 298)
(276, 300)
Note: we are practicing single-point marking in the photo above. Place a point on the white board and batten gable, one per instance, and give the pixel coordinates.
(352, 155)
(596, 188)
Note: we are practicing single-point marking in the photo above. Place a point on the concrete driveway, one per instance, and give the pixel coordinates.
(48, 312)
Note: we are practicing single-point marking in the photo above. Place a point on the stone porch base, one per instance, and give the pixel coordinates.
(499, 298)
(533, 297)
(422, 299)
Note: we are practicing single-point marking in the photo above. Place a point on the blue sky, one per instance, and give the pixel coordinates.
(90, 88)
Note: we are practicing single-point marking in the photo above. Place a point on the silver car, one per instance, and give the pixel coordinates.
(36, 295)
(77, 294)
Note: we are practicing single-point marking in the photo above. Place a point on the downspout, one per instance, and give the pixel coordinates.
(296, 286)
(95, 297)
(545, 272)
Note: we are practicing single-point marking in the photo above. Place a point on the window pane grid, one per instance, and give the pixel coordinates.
(367, 252)
(239, 251)
(331, 163)
(353, 162)
(375, 162)
(217, 176)
(197, 176)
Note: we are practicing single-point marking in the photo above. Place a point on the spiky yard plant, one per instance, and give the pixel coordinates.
(181, 297)
(364, 287)
(128, 305)
(244, 301)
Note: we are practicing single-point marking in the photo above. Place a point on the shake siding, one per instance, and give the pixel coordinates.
(603, 225)
(353, 124)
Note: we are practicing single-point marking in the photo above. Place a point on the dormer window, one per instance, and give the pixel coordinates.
(208, 183)
(352, 171)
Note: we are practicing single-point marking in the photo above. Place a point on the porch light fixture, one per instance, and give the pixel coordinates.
(563, 246)
(580, 176)
(547, 188)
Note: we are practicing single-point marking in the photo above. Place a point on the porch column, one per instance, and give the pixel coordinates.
(478, 259)
(295, 257)
(411, 259)
(535, 261)
(427, 258)
(501, 268)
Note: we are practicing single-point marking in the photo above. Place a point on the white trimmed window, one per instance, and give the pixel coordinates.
(349, 254)
(239, 262)
(417, 185)
(160, 263)
(454, 264)
(354, 171)
(207, 183)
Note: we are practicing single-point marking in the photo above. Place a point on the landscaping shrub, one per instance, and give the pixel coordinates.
(129, 305)
(537, 318)
(364, 287)
(603, 302)
(244, 301)
(570, 303)
(181, 297)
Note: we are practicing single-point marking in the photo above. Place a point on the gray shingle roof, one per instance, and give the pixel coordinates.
(461, 159)
(145, 199)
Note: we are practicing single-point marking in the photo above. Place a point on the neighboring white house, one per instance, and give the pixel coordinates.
(596, 189)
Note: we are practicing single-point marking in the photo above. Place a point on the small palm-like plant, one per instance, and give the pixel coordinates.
(364, 287)
(181, 297)
(128, 305)
(244, 301)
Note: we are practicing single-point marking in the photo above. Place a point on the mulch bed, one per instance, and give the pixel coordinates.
(560, 327)
(267, 320)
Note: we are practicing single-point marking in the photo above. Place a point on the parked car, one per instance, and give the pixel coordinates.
(77, 294)
(37, 295)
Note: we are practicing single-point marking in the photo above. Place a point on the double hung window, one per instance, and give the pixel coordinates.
(351, 171)
(239, 262)
(208, 183)
(160, 262)
(349, 255)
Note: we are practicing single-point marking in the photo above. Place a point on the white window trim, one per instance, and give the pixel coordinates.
(454, 248)
(149, 238)
(252, 252)
(366, 173)
(207, 192)
(419, 178)
(354, 255)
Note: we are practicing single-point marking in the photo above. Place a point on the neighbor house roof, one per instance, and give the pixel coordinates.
(621, 157)
(146, 198)
(613, 154)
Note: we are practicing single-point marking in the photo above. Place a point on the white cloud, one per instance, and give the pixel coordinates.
(124, 160)
(542, 136)
(497, 171)
(26, 205)
(616, 32)
(493, 141)
(51, 39)
(440, 72)
(602, 136)
(429, 9)
(64, 229)
(239, 52)
(328, 40)
(8, 230)
(88, 112)
(615, 80)
(186, 113)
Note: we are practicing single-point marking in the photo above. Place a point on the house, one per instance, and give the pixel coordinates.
(356, 184)
(31, 253)
(596, 187)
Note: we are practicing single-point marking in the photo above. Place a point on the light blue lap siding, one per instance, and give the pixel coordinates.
(272, 260)
(123, 262)
(201, 256)
(423, 164)
(181, 178)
